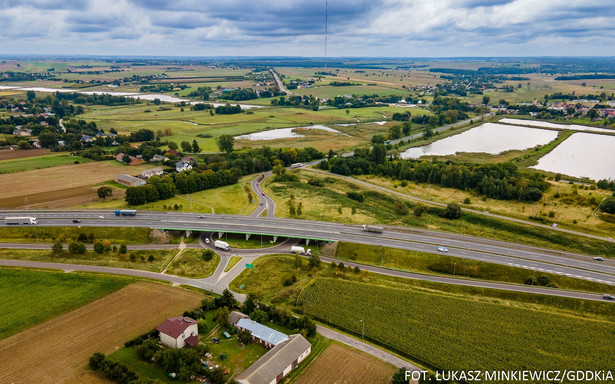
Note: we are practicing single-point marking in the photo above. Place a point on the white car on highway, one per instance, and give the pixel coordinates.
(442, 249)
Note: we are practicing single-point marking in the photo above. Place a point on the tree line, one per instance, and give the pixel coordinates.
(498, 181)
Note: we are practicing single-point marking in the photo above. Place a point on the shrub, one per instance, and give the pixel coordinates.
(208, 254)
(99, 247)
(355, 196)
(452, 211)
(76, 248)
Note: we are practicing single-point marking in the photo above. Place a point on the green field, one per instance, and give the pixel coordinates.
(231, 199)
(129, 357)
(67, 234)
(448, 332)
(30, 297)
(190, 264)
(39, 162)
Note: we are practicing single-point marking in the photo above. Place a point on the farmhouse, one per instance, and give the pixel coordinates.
(157, 158)
(146, 174)
(129, 181)
(260, 333)
(177, 332)
(182, 166)
(22, 132)
(277, 363)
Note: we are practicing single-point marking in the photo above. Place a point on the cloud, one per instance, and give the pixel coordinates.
(296, 27)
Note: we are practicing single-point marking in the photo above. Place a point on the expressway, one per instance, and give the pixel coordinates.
(510, 254)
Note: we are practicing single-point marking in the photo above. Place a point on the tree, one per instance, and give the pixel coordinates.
(186, 147)
(99, 247)
(249, 305)
(608, 205)
(300, 209)
(222, 316)
(592, 113)
(379, 153)
(23, 144)
(126, 159)
(401, 208)
(486, 100)
(314, 261)
(76, 248)
(245, 337)
(104, 192)
(172, 145)
(207, 255)
(226, 143)
(291, 208)
(406, 127)
(452, 211)
(226, 300)
(428, 133)
(195, 147)
(123, 249)
(57, 247)
(31, 95)
(259, 316)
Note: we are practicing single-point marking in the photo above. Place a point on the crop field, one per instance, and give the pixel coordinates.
(190, 263)
(481, 334)
(16, 154)
(31, 297)
(101, 326)
(62, 186)
(39, 162)
(139, 259)
(343, 365)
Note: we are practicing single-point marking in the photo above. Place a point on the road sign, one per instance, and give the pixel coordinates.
(249, 266)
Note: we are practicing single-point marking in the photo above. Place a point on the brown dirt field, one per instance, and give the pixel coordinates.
(58, 350)
(7, 154)
(70, 184)
(339, 364)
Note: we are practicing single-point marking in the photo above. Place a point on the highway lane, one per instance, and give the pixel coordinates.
(265, 202)
(465, 247)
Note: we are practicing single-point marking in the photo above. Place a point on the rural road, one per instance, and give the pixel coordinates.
(281, 86)
(265, 202)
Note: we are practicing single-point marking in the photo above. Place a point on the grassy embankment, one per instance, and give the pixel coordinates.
(114, 235)
(190, 263)
(324, 203)
(231, 199)
(31, 297)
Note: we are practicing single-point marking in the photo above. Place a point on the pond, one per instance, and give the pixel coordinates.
(284, 133)
(582, 155)
(545, 124)
(490, 138)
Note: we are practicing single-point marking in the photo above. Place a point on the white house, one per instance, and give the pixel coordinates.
(177, 332)
(182, 166)
(146, 174)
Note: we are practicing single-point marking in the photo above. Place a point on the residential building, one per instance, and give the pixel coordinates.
(129, 181)
(182, 166)
(278, 362)
(146, 174)
(22, 132)
(157, 158)
(177, 332)
(86, 139)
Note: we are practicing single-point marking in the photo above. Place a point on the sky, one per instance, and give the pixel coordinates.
(360, 28)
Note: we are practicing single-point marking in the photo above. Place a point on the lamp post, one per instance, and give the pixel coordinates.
(363, 330)
(533, 277)
(454, 269)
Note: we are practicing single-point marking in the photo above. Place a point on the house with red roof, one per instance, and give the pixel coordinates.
(177, 332)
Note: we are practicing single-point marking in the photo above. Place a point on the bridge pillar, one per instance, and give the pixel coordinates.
(188, 233)
(307, 241)
(275, 239)
(220, 234)
(247, 236)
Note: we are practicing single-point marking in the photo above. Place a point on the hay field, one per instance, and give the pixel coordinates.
(343, 365)
(59, 349)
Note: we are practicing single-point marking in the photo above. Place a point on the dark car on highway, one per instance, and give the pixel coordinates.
(76, 221)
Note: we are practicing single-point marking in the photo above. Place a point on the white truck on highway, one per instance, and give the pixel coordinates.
(372, 228)
(20, 220)
(300, 250)
(222, 245)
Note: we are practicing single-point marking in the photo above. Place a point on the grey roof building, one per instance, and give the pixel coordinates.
(263, 334)
(278, 362)
(235, 316)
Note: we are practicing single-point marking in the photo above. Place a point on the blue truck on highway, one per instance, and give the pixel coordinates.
(125, 212)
